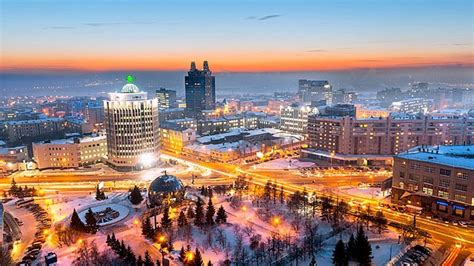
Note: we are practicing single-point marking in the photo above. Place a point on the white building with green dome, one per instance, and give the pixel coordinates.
(132, 128)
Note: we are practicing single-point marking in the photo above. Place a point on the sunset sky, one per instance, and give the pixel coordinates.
(245, 35)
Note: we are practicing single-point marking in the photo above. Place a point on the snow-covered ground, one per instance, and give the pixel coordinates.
(284, 163)
(363, 192)
(122, 210)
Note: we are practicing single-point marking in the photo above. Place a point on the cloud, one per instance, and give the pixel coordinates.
(102, 24)
(267, 17)
(316, 51)
(58, 28)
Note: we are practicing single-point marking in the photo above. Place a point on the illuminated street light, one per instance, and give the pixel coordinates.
(189, 256)
(276, 221)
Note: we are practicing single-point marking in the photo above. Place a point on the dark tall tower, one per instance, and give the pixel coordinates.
(200, 89)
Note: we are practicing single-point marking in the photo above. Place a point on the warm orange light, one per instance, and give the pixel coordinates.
(276, 221)
(79, 241)
(136, 222)
(244, 208)
(161, 239)
(189, 256)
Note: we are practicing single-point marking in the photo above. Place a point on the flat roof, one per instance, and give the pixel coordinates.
(454, 156)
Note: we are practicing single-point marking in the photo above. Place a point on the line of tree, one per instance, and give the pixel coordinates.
(357, 249)
(22, 192)
(127, 255)
(99, 194)
(78, 225)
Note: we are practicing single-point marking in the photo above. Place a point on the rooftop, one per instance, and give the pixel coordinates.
(454, 156)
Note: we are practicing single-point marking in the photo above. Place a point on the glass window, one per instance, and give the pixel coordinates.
(459, 197)
(428, 180)
(444, 183)
(464, 176)
(444, 172)
(428, 190)
(461, 187)
(443, 194)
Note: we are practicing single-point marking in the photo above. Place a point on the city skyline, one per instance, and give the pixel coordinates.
(239, 36)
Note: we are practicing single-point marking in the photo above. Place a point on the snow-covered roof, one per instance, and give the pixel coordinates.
(454, 156)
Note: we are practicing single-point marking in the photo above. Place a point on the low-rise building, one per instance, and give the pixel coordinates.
(174, 137)
(436, 179)
(70, 153)
(413, 106)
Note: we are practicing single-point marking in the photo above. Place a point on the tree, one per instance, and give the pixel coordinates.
(99, 195)
(209, 263)
(363, 248)
(76, 223)
(221, 216)
(91, 221)
(190, 212)
(267, 192)
(210, 213)
(135, 196)
(165, 219)
(6, 258)
(147, 229)
(351, 249)
(199, 213)
(339, 256)
(182, 254)
(282, 195)
(182, 221)
(198, 258)
(313, 262)
(140, 261)
(148, 261)
(380, 221)
(326, 208)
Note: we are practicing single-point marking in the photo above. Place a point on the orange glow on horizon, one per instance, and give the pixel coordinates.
(253, 62)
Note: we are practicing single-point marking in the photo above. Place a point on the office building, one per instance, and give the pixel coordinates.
(413, 106)
(70, 153)
(342, 96)
(166, 98)
(131, 123)
(294, 118)
(314, 90)
(200, 89)
(436, 180)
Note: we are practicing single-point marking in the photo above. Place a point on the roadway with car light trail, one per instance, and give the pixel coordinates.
(324, 184)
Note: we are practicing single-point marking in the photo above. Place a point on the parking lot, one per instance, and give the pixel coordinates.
(414, 256)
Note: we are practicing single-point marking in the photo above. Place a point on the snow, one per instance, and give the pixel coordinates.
(363, 192)
(284, 163)
(123, 212)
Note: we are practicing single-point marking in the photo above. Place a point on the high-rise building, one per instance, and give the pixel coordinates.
(200, 86)
(413, 106)
(315, 90)
(166, 98)
(131, 122)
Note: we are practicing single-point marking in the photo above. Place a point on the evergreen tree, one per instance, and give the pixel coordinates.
(313, 262)
(148, 261)
(108, 240)
(91, 221)
(99, 195)
(165, 219)
(198, 258)
(182, 221)
(13, 187)
(282, 195)
(326, 208)
(158, 263)
(190, 213)
(210, 213)
(135, 196)
(140, 261)
(209, 263)
(147, 229)
(339, 256)
(182, 254)
(221, 215)
(199, 213)
(123, 249)
(351, 248)
(210, 193)
(363, 248)
(267, 192)
(76, 223)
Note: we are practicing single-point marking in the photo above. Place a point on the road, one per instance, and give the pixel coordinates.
(323, 183)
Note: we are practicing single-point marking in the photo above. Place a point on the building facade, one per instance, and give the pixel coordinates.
(294, 118)
(131, 123)
(387, 136)
(437, 180)
(413, 106)
(70, 153)
(174, 138)
(25, 130)
(166, 98)
(314, 90)
(200, 89)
